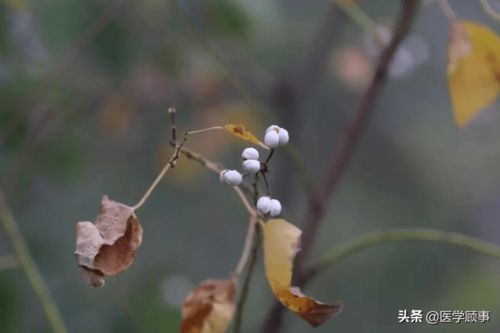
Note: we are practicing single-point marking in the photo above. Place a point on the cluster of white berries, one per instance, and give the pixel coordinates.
(250, 163)
(274, 136)
(268, 206)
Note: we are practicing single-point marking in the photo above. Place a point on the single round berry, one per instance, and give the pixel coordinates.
(264, 205)
(272, 139)
(283, 135)
(272, 127)
(252, 166)
(232, 177)
(250, 154)
(275, 208)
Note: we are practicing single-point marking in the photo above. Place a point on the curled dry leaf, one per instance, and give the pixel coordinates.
(108, 246)
(281, 244)
(210, 307)
(241, 132)
(473, 69)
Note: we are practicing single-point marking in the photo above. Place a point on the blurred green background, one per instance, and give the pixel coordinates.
(84, 89)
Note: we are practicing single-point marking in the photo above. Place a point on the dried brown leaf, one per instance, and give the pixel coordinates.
(210, 307)
(108, 246)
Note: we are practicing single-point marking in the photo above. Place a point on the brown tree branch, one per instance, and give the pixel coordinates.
(355, 128)
(340, 161)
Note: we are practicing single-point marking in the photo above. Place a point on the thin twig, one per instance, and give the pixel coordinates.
(363, 242)
(244, 199)
(238, 321)
(8, 262)
(247, 247)
(206, 130)
(488, 8)
(352, 134)
(30, 268)
(170, 163)
(357, 14)
(447, 9)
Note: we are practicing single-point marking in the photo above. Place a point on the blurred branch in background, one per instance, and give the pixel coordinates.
(488, 8)
(12, 168)
(357, 244)
(354, 129)
(291, 92)
(29, 266)
(341, 159)
(198, 38)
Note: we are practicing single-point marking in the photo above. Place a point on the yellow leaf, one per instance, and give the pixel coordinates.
(241, 132)
(473, 69)
(210, 307)
(281, 244)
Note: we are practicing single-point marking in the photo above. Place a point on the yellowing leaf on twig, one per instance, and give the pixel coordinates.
(210, 307)
(108, 246)
(281, 244)
(241, 132)
(473, 69)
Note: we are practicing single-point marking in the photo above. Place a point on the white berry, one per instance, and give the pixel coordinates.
(250, 154)
(272, 139)
(283, 135)
(264, 205)
(252, 166)
(232, 177)
(275, 207)
(272, 127)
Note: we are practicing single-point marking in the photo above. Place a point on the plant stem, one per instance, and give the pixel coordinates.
(357, 14)
(244, 199)
(257, 240)
(247, 247)
(30, 268)
(488, 8)
(398, 235)
(447, 9)
(170, 163)
(354, 130)
(203, 130)
(238, 321)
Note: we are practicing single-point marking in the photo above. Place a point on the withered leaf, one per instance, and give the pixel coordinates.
(281, 244)
(241, 132)
(108, 246)
(210, 307)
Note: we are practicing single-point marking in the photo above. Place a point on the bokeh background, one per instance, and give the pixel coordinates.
(84, 89)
